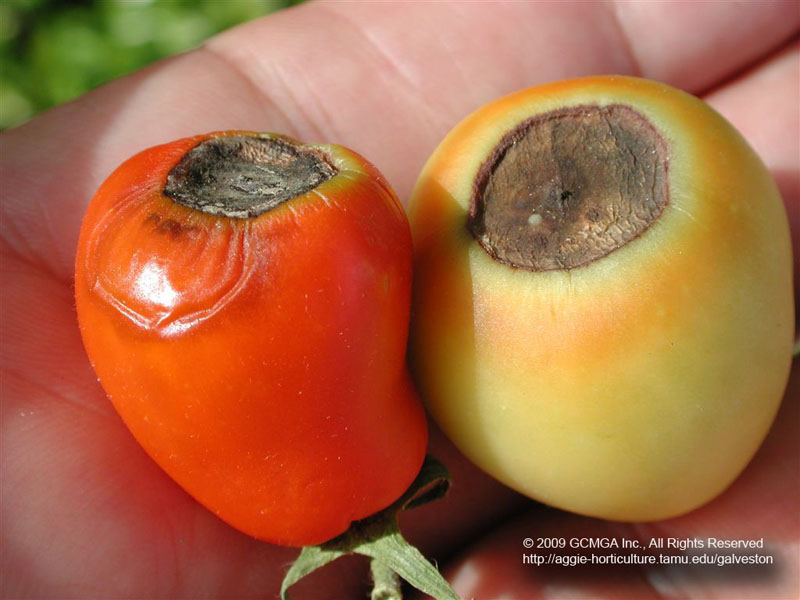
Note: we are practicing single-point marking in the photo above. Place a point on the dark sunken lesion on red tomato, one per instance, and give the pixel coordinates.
(170, 227)
(243, 176)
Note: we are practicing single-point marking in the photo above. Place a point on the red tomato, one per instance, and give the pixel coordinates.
(258, 359)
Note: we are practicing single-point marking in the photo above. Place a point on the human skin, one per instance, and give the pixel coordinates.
(85, 513)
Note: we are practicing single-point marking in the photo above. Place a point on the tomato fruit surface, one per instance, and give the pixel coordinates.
(258, 359)
(603, 304)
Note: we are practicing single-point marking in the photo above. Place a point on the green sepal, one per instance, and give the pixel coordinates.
(379, 538)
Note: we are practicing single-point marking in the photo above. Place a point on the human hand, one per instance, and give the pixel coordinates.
(85, 513)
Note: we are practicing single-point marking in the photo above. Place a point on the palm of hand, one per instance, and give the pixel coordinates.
(86, 513)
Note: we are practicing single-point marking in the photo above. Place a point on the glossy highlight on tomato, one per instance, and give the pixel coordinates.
(258, 359)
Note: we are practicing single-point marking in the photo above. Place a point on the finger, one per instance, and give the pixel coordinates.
(422, 67)
(388, 80)
(533, 557)
(695, 45)
(762, 104)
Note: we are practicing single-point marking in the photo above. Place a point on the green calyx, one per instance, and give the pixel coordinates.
(378, 537)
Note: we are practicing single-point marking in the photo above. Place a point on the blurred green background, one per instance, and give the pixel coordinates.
(52, 51)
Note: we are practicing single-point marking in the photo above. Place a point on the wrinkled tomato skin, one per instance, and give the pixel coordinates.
(260, 362)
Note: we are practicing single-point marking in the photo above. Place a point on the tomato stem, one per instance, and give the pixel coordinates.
(386, 583)
(379, 538)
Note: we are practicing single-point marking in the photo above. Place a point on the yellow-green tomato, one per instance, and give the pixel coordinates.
(603, 315)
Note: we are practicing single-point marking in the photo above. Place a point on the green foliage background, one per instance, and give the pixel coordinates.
(52, 51)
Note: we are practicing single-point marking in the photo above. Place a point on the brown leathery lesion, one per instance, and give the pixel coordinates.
(568, 187)
(244, 176)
